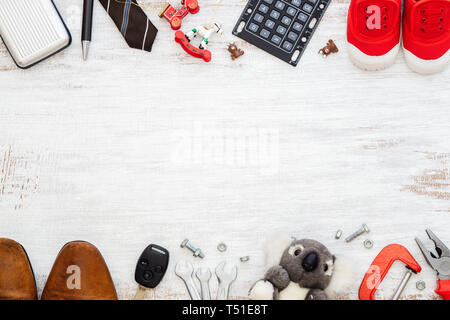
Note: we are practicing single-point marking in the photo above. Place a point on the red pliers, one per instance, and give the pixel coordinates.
(440, 262)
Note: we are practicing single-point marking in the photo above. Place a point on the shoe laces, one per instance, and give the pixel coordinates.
(432, 18)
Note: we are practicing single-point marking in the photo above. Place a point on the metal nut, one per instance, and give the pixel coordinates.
(222, 247)
(420, 285)
(338, 234)
(244, 259)
(368, 243)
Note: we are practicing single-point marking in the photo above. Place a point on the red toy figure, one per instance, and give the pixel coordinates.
(205, 32)
(175, 16)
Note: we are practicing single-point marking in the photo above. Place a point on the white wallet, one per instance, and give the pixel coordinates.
(32, 30)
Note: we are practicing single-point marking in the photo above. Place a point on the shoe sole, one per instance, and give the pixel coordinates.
(426, 66)
(372, 63)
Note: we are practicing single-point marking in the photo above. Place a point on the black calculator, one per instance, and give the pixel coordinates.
(282, 28)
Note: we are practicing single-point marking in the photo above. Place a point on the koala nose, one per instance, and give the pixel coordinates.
(310, 262)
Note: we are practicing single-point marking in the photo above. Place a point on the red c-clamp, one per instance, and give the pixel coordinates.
(380, 267)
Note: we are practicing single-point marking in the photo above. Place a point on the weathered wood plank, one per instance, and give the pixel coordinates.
(131, 148)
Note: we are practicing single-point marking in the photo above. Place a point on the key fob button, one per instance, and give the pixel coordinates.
(144, 262)
(148, 275)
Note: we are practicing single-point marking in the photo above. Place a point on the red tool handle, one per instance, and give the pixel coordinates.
(443, 289)
(380, 267)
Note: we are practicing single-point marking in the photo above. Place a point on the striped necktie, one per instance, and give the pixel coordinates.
(132, 22)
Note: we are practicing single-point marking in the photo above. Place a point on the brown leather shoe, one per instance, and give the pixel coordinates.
(79, 273)
(16, 275)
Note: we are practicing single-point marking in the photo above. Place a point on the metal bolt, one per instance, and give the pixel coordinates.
(420, 285)
(244, 259)
(196, 251)
(364, 229)
(338, 234)
(222, 247)
(368, 243)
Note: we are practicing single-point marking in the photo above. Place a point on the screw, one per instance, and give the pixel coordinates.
(338, 234)
(197, 252)
(244, 259)
(403, 284)
(368, 243)
(364, 229)
(420, 285)
(222, 247)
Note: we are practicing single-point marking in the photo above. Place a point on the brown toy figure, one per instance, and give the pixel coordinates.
(234, 51)
(329, 48)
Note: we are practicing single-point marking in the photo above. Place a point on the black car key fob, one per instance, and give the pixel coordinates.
(151, 268)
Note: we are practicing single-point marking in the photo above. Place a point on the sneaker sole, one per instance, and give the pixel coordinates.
(372, 63)
(426, 66)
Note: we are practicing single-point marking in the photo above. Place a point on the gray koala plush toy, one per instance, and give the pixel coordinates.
(303, 273)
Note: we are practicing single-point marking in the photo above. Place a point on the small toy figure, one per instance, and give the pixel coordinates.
(234, 51)
(329, 49)
(175, 16)
(205, 32)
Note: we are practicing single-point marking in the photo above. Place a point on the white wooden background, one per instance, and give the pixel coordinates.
(132, 148)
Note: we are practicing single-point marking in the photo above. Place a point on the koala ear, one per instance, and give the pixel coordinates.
(275, 246)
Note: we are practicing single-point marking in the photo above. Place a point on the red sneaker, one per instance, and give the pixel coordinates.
(426, 34)
(373, 32)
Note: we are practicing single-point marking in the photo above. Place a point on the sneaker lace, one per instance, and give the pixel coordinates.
(432, 19)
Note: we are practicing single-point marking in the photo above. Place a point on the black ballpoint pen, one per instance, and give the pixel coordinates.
(86, 31)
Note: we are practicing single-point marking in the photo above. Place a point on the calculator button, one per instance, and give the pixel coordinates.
(308, 8)
(264, 33)
(297, 26)
(296, 3)
(281, 30)
(293, 36)
(276, 39)
(253, 27)
(258, 18)
(279, 5)
(287, 45)
(312, 1)
(270, 24)
(274, 14)
(286, 20)
(268, 1)
(263, 8)
(291, 11)
(302, 17)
